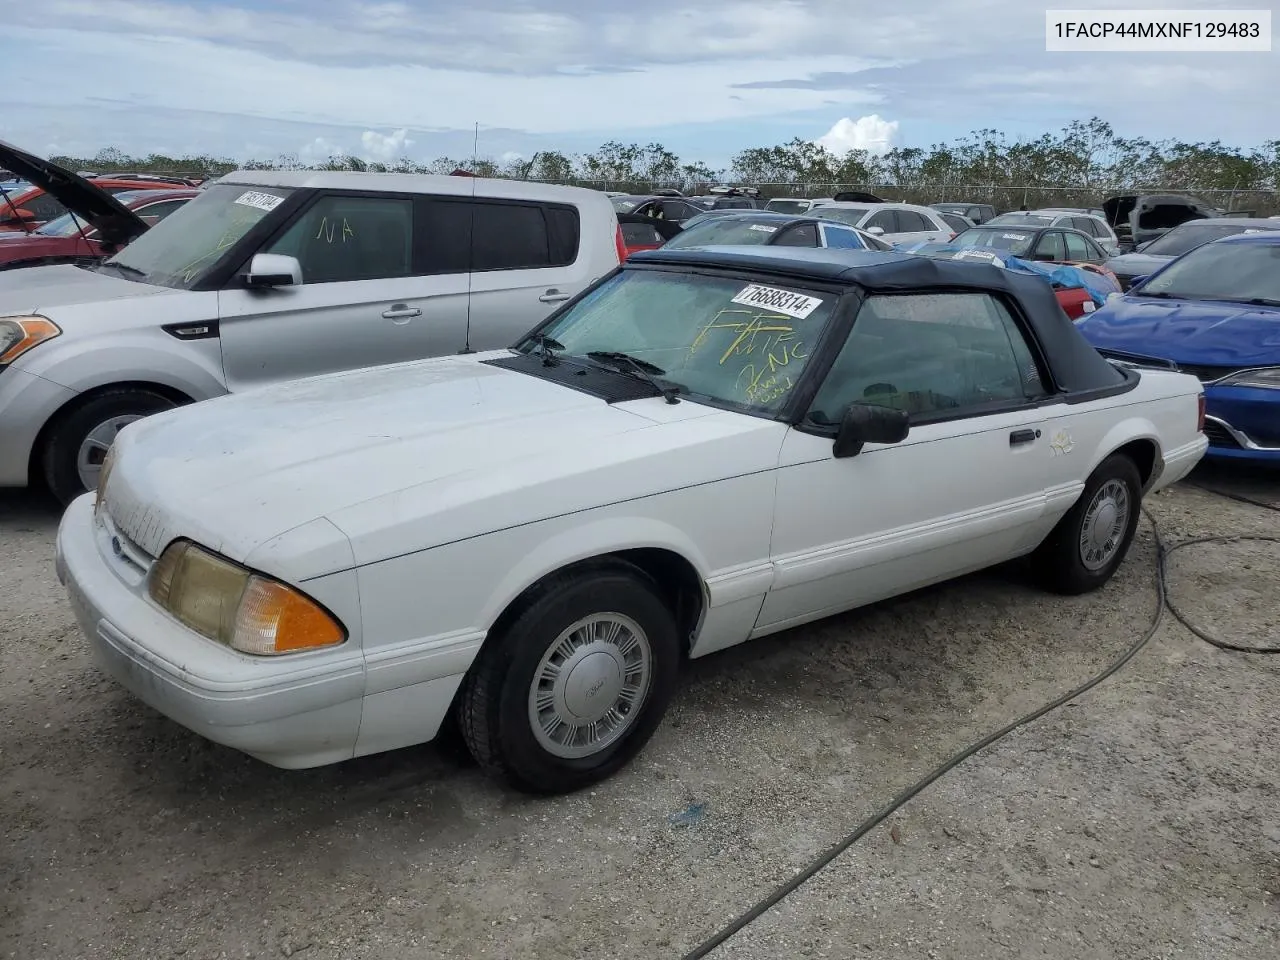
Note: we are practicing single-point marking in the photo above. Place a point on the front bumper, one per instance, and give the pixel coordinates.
(1243, 423)
(291, 712)
(26, 404)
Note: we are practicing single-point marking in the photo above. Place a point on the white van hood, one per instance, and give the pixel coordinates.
(43, 290)
(449, 445)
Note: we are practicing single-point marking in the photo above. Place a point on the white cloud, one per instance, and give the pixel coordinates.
(872, 134)
(511, 157)
(320, 150)
(384, 148)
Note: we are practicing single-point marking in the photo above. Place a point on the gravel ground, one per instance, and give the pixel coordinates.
(1140, 821)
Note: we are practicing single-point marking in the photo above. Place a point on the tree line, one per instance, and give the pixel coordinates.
(1082, 163)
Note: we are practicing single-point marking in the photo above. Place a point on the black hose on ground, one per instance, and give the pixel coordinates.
(1163, 600)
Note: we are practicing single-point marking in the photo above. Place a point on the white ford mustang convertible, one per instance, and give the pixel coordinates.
(706, 447)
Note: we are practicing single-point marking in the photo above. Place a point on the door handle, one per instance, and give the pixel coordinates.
(553, 296)
(401, 311)
(1019, 437)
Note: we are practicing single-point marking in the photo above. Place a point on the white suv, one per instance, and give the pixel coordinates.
(271, 276)
(892, 222)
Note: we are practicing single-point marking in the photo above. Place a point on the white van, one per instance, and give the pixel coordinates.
(269, 276)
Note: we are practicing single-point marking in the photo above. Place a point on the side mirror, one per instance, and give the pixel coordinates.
(878, 231)
(865, 423)
(1044, 258)
(273, 270)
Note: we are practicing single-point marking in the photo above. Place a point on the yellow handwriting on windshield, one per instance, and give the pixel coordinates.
(766, 344)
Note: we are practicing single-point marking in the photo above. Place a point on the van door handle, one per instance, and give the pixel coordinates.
(401, 311)
(553, 296)
(1019, 437)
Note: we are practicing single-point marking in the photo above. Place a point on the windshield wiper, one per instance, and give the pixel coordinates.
(544, 345)
(1158, 295)
(124, 268)
(1258, 301)
(641, 369)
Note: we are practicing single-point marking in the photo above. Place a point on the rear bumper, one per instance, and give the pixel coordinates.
(1179, 462)
(26, 404)
(288, 712)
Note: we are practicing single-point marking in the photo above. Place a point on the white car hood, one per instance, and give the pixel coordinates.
(236, 472)
(43, 289)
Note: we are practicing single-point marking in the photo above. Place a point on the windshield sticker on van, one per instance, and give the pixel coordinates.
(783, 301)
(762, 228)
(263, 201)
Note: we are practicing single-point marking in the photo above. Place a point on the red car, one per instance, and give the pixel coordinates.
(73, 236)
(35, 206)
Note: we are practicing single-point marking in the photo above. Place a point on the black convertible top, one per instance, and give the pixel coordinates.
(1073, 362)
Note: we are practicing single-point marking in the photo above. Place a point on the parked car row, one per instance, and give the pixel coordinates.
(350, 457)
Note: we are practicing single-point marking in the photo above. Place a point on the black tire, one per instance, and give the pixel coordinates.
(494, 708)
(1058, 560)
(72, 428)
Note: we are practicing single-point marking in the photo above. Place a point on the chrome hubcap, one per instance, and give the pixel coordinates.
(590, 685)
(1104, 525)
(93, 449)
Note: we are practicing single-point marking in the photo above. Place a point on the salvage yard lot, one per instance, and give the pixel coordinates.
(1140, 821)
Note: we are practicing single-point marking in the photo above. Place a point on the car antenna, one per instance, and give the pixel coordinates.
(471, 236)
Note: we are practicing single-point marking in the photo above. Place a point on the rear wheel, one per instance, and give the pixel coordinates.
(1088, 545)
(78, 442)
(576, 684)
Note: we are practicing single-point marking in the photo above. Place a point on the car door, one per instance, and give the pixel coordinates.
(964, 490)
(886, 222)
(1050, 247)
(527, 258)
(363, 300)
(1081, 250)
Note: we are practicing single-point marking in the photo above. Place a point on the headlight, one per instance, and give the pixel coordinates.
(1268, 378)
(108, 461)
(20, 334)
(234, 606)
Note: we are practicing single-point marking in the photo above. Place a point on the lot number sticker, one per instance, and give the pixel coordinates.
(762, 228)
(979, 255)
(783, 301)
(263, 201)
(1014, 236)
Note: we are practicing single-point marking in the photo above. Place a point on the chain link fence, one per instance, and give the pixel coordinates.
(1262, 202)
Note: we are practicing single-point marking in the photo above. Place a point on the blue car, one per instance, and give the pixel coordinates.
(1213, 312)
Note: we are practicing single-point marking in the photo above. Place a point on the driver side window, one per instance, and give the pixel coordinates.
(351, 238)
(932, 355)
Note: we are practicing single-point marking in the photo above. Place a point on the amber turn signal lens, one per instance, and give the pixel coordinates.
(277, 619)
(20, 334)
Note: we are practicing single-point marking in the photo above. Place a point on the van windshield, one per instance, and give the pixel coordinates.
(183, 247)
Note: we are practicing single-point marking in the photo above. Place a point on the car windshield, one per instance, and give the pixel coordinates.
(1191, 235)
(728, 342)
(787, 206)
(1015, 242)
(850, 215)
(1239, 272)
(67, 225)
(735, 231)
(1021, 220)
(186, 244)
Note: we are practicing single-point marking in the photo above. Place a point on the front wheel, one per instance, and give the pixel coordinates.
(78, 442)
(576, 684)
(1091, 541)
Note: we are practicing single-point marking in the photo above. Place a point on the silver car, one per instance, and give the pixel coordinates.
(272, 276)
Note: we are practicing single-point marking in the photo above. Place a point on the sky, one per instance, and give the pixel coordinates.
(250, 79)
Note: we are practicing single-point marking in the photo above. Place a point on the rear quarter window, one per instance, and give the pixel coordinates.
(501, 235)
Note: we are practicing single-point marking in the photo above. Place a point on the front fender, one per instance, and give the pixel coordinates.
(603, 536)
(193, 368)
